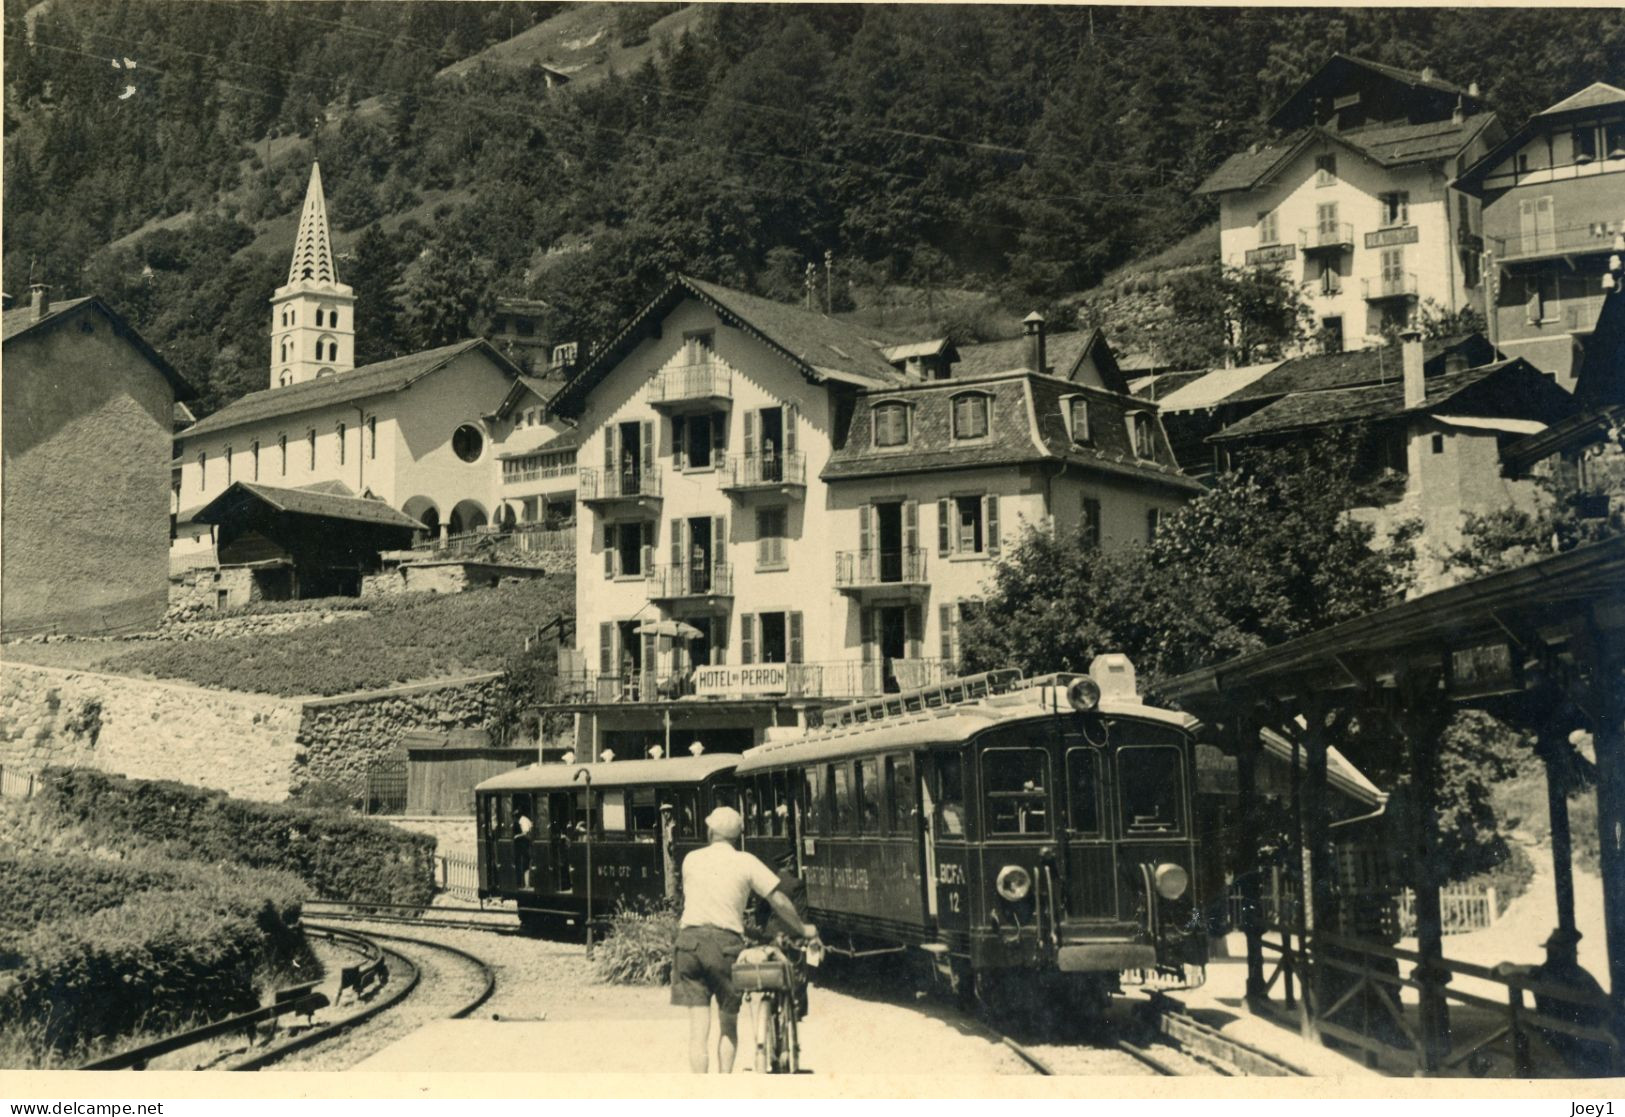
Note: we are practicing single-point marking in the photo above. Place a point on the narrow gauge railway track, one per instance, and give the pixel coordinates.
(411, 915)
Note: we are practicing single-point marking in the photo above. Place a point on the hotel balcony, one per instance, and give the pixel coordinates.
(749, 473)
(697, 387)
(685, 581)
(1389, 287)
(624, 491)
(874, 573)
(1573, 240)
(1327, 239)
(843, 679)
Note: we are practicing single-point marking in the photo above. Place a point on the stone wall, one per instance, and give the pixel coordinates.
(444, 576)
(244, 744)
(453, 834)
(341, 737)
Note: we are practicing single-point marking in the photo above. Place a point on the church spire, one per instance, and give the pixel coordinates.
(313, 249)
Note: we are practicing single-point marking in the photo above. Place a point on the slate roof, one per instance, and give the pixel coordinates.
(1375, 402)
(1025, 424)
(325, 504)
(1593, 96)
(1062, 352)
(823, 347)
(570, 439)
(1322, 371)
(19, 320)
(1340, 65)
(369, 380)
(1394, 145)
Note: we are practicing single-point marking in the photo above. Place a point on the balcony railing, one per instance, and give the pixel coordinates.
(765, 471)
(626, 484)
(1597, 236)
(695, 383)
(525, 538)
(688, 579)
(520, 473)
(1336, 237)
(1390, 287)
(844, 678)
(858, 569)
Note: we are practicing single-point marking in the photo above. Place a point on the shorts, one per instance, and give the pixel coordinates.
(702, 968)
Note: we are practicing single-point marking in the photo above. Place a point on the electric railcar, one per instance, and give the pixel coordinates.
(1010, 829)
(998, 827)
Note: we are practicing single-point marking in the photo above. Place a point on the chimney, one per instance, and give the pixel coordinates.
(40, 298)
(1033, 326)
(1458, 114)
(1415, 384)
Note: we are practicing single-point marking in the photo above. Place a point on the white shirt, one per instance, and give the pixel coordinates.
(717, 882)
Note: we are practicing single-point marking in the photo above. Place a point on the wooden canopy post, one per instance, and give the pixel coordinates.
(1552, 746)
(1317, 838)
(1243, 734)
(1421, 718)
(1306, 1023)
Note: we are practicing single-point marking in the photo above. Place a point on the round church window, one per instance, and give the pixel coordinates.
(468, 442)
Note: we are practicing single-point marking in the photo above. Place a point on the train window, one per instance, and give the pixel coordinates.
(780, 819)
(1083, 790)
(951, 801)
(818, 823)
(1016, 782)
(588, 816)
(613, 804)
(684, 810)
(488, 816)
(645, 811)
(900, 794)
(504, 828)
(869, 796)
(752, 823)
(725, 795)
(1150, 787)
(841, 798)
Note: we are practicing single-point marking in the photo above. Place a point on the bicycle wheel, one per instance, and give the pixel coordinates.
(766, 1010)
(790, 1055)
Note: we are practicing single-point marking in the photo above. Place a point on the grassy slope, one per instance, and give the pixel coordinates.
(580, 41)
(406, 640)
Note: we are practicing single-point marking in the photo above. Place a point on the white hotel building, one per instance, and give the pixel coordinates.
(818, 510)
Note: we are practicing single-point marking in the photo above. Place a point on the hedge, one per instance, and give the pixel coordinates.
(408, 640)
(189, 941)
(339, 857)
(42, 889)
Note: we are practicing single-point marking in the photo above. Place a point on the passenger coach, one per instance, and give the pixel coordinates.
(1017, 832)
(642, 816)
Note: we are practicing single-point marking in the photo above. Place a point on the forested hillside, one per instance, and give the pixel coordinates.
(1022, 151)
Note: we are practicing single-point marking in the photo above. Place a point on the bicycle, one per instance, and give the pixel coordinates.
(768, 977)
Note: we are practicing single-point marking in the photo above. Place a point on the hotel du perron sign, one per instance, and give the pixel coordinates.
(760, 678)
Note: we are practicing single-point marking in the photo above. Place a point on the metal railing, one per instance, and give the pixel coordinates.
(746, 471)
(1390, 286)
(702, 380)
(1337, 235)
(1462, 908)
(1596, 236)
(595, 484)
(876, 568)
(688, 579)
(457, 876)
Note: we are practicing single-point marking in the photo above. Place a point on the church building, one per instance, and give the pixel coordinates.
(418, 432)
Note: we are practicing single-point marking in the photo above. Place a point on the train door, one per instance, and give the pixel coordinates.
(524, 840)
(561, 835)
(947, 855)
(507, 876)
(486, 824)
(1091, 871)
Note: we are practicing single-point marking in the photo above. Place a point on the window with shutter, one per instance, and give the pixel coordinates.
(1091, 522)
(646, 461)
(911, 530)
(770, 533)
(750, 434)
(611, 546)
(992, 530)
(789, 428)
(914, 630)
(970, 416)
(866, 633)
(796, 650)
(719, 433)
(970, 535)
(606, 649)
(747, 638)
(677, 526)
(944, 516)
(1078, 420)
(945, 627)
(646, 549)
(679, 442)
(891, 424)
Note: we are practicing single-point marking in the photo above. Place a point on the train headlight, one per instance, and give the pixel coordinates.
(1013, 883)
(1172, 881)
(1083, 694)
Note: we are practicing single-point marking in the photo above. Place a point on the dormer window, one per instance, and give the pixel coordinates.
(891, 424)
(1077, 420)
(1142, 435)
(970, 415)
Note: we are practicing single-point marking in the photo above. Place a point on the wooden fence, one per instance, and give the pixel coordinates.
(457, 876)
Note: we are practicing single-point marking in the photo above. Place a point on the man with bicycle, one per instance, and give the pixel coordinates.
(718, 882)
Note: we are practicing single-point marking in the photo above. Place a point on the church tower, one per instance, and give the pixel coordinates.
(313, 314)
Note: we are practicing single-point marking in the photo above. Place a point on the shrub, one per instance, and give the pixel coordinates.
(637, 950)
(339, 857)
(185, 941)
(45, 889)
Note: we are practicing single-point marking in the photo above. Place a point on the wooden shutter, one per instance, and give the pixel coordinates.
(609, 550)
(943, 535)
(719, 541)
(677, 551)
(750, 434)
(990, 525)
(789, 428)
(647, 557)
(719, 436)
(679, 447)
(610, 439)
(606, 648)
(747, 638)
(647, 460)
(795, 638)
(945, 622)
(913, 630)
(866, 632)
(866, 529)
(911, 527)
(649, 655)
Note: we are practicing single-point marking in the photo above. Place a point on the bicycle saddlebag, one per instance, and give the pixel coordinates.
(761, 969)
